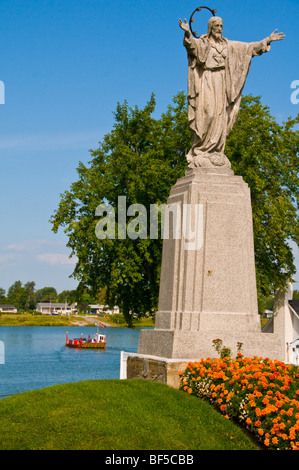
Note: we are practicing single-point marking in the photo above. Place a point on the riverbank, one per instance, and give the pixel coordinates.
(45, 320)
(27, 319)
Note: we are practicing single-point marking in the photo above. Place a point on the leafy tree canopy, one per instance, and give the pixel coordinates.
(141, 158)
(45, 294)
(265, 154)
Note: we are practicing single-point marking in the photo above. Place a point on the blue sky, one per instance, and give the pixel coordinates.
(66, 64)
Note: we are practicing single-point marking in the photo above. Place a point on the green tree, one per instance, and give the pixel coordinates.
(23, 297)
(69, 296)
(265, 154)
(30, 302)
(16, 295)
(46, 294)
(141, 158)
(2, 294)
(101, 296)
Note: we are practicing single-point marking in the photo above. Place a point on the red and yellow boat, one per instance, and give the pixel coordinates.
(97, 342)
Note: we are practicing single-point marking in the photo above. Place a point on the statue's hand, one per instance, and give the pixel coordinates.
(276, 36)
(184, 25)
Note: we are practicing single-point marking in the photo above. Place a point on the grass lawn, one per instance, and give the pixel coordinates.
(115, 415)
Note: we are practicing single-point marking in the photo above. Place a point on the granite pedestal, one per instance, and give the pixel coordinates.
(208, 283)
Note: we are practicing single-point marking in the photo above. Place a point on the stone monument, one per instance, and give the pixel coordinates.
(208, 287)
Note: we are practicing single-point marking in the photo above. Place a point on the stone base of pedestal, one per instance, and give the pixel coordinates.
(178, 344)
(156, 369)
(208, 280)
(165, 369)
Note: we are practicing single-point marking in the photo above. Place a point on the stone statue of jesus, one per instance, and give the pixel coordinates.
(217, 72)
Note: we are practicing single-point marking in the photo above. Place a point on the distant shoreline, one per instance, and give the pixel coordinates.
(27, 319)
(47, 320)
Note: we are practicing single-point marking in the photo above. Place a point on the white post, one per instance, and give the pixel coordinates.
(2, 93)
(123, 365)
(2, 353)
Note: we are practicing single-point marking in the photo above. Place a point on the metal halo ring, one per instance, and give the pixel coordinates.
(192, 20)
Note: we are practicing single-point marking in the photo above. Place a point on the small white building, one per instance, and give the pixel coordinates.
(286, 324)
(294, 346)
(96, 309)
(268, 314)
(54, 308)
(103, 309)
(8, 309)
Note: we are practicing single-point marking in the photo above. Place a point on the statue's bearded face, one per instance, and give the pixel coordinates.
(216, 28)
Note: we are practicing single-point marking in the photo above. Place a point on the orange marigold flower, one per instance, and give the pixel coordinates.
(266, 442)
(260, 431)
(189, 390)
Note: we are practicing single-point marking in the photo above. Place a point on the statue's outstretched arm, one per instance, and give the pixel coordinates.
(185, 26)
(264, 46)
(275, 37)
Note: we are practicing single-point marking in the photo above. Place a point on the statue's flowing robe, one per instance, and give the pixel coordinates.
(216, 78)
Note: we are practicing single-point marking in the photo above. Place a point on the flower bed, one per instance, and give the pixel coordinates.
(260, 393)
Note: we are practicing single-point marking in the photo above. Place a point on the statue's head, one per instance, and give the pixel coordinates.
(215, 27)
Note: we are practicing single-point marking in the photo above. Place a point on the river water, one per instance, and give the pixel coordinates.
(36, 357)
